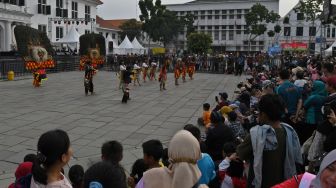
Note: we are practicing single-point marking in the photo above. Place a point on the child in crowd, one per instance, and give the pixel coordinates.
(152, 150)
(138, 168)
(235, 125)
(231, 169)
(23, 170)
(76, 175)
(112, 151)
(105, 174)
(205, 119)
(29, 158)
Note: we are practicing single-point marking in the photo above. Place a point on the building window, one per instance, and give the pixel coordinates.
(231, 11)
(203, 12)
(209, 17)
(223, 11)
(182, 13)
(261, 43)
(202, 27)
(216, 11)
(195, 12)
(216, 27)
(231, 27)
(14, 2)
(300, 16)
(287, 31)
(239, 16)
(87, 12)
(224, 27)
(246, 10)
(59, 33)
(245, 42)
(202, 17)
(223, 35)
(231, 16)
(209, 27)
(224, 17)
(312, 31)
(59, 3)
(238, 26)
(216, 35)
(43, 8)
(42, 28)
(312, 47)
(299, 31)
(209, 11)
(88, 31)
(217, 17)
(333, 33)
(238, 32)
(328, 32)
(231, 35)
(74, 9)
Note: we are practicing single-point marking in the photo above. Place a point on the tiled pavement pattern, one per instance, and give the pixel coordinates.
(27, 112)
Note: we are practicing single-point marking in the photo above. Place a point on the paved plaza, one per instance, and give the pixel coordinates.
(27, 112)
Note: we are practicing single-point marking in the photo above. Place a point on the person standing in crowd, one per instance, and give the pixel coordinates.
(217, 135)
(121, 75)
(177, 71)
(112, 151)
(291, 96)
(152, 73)
(312, 107)
(137, 72)
(271, 141)
(184, 152)
(144, 71)
(184, 70)
(53, 153)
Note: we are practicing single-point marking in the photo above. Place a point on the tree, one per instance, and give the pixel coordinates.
(159, 23)
(256, 20)
(199, 42)
(270, 33)
(188, 21)
(131, 28)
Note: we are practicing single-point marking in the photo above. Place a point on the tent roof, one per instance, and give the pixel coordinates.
(71, 37)
(126, 44)
(136, 44)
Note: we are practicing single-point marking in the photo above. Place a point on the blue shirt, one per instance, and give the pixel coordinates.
(207, 168)
(290, 94)
(313, 107)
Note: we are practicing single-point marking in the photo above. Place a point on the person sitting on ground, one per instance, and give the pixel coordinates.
(76, 176)
(29, 158)
(53, 153)
(231, 169)
(235, 126)
(217, 135)
(184, 152)
(24, 169)
(112, 151)
(326, 177)
(267, 142)
(105, 174)
(205, 119)
(152, 152)
(223, 101)
(138, 168)
(205, 164)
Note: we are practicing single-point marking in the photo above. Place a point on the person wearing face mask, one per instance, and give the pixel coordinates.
(326, 177)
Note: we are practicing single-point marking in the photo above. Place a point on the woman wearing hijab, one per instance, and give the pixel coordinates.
(312, 107)
(326, 177)
(184, 152)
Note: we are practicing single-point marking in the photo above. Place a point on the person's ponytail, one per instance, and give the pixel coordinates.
(38, 170)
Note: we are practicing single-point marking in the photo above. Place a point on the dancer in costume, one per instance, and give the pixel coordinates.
(152, 74)
(136, 74)
(177, 70)
(89, 73)
(122, 70)
(163, 75)
(184, 71)
(191, 68)
(144, 71)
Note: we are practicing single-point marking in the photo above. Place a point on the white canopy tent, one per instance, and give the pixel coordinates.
(71, 39)
(138, 48)
(125, 47)
(328, 52)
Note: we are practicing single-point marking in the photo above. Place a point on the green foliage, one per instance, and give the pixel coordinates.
(286, 20)
(188, 21)
(310, 8)
(270, 33)
(159, 23)
(257, 18)
(131, 28)
(92, 40)
(277, 29)
(31, 36)
(199, 42)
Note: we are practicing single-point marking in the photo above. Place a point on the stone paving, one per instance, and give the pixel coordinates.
(27, 112)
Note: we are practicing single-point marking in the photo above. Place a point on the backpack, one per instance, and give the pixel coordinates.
(24, 182)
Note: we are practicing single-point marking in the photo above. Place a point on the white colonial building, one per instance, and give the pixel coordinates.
(54, 17)
(224, 20)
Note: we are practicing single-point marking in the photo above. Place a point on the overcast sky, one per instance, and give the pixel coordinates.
(124, 9)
